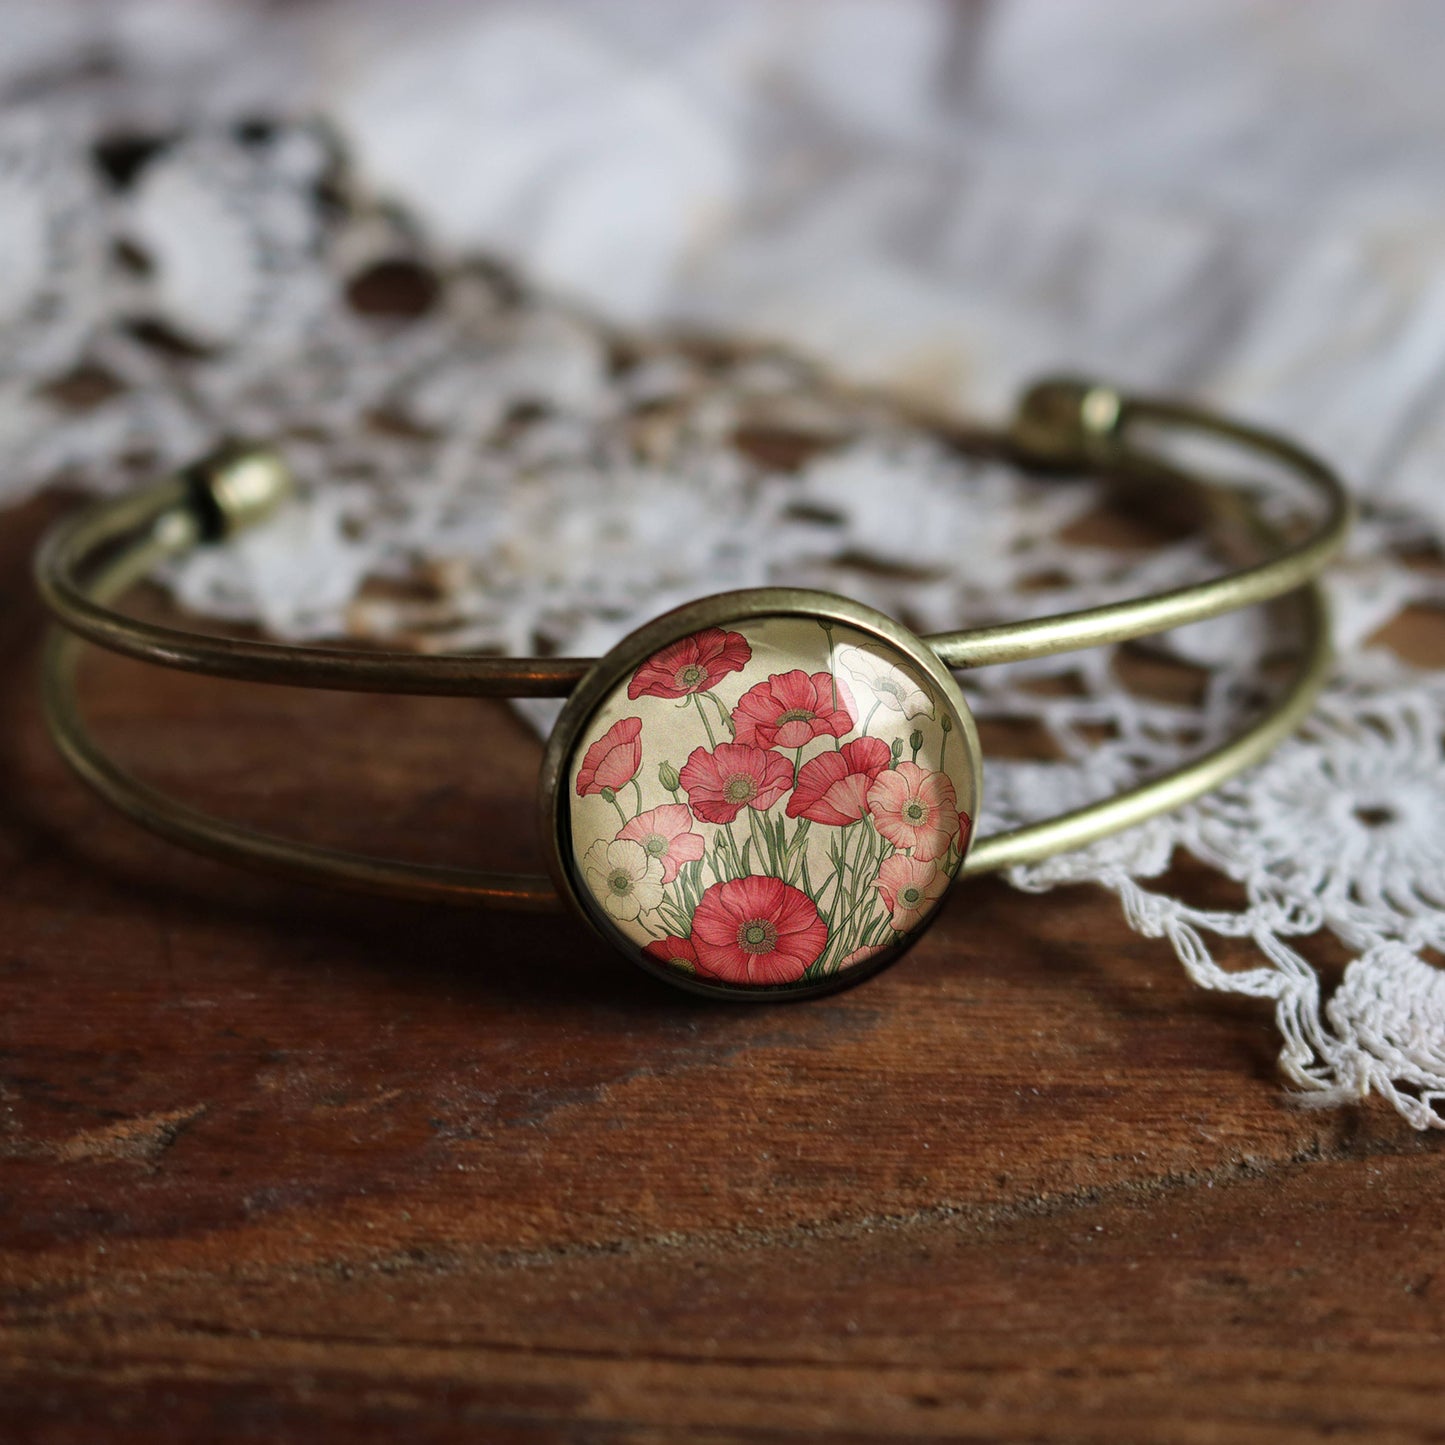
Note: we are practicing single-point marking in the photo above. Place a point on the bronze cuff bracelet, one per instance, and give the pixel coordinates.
(764, 794)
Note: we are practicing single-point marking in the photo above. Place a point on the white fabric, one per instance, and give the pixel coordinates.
(1237, 200)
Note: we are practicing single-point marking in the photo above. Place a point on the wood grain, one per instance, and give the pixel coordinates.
(278, 1165)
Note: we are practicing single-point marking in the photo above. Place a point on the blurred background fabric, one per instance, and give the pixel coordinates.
(1243, 200)
(1241, 197)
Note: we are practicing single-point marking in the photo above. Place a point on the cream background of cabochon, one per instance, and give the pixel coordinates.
(672, 729)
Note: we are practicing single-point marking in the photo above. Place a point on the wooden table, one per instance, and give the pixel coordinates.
(277, 1165)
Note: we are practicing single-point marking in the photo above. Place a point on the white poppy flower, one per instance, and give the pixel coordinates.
(1343, 820)
(891, 687)
(625, 877)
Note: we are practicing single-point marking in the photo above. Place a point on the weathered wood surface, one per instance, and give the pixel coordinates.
(279, 1165)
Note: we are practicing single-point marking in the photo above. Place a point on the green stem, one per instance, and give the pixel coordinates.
(761, 846)
(692, 884)
(860, 898)
(841, 867)
(857, 896)
(818, 897)
(712, 741)
(733, 845)
(830, 880)
(625, 819)
(676, 919)
(862, 826)
(715, 858)
(723, 713)
(644, 924)
(877, 703)
(637, 788)
(797, 849)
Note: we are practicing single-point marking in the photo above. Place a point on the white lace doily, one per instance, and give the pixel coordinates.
(182, 258)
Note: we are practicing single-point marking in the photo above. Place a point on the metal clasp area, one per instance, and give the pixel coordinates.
(1067, 423)
(236, 487)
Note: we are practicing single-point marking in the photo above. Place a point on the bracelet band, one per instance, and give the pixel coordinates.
(785, 845)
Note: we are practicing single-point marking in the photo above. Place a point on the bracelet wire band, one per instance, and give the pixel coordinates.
(93, 558)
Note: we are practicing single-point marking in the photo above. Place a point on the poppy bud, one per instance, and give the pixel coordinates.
(915, 740)
(667, 774)
(897, 749)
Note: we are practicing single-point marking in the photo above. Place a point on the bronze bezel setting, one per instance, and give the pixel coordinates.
(726, 610)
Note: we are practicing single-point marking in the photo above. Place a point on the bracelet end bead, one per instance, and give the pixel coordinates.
(236, 487)
(1066, 423)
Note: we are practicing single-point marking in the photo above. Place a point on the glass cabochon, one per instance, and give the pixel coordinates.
(769, 805)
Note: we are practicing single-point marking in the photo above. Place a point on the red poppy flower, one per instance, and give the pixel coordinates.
(721, 783)
(666, 833)
(833, 787)
(915, 810)
(674, 951)
(613, 760)
(756, 930)
(791, 709)
(691, 664)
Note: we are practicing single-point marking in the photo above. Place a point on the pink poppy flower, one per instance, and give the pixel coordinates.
(756, 930)
(909, 889)
(613, 760)
(915, 810)
(666, 833)
(721, 783)
(833, 787)
(859, 955)
(691, 664)
(675, 952)
(790, 709)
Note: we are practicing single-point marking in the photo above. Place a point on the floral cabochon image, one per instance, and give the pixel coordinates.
(770, 804)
